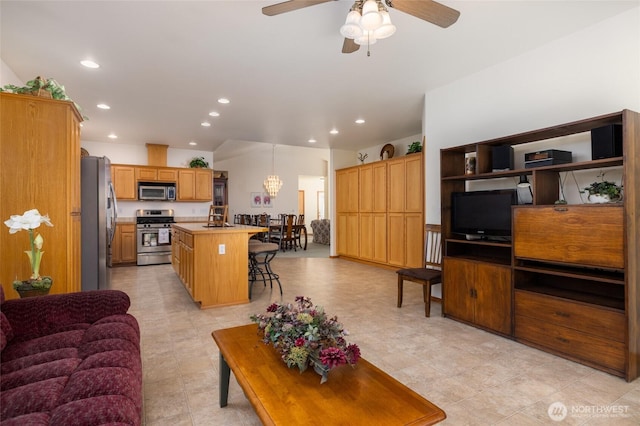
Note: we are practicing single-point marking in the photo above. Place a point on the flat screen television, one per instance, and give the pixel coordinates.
(483, 213)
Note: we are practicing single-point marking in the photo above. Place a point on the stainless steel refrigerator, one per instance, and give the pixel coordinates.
(99, 213)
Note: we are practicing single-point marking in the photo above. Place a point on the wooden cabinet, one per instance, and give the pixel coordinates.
(373, 237)
(153, 174)
(380, 215)
(204, 185)
(347, 190)
(588, 235)
(146, 174)
(587, 333)
(195, 185)
(192, 184)
(347, 230)
(479, 293)
(372, 220)
(182, 259)
(40, 169)
(124, 182)
(212, 277)
(123, 247)
(570, 282)
(372, 187)
(405, 175)
(220, 192)
(573, 268)
(167, 175)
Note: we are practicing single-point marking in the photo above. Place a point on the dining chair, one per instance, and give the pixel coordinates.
(285, 236)
(431, 272)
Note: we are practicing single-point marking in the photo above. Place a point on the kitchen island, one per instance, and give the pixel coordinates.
(212, 262)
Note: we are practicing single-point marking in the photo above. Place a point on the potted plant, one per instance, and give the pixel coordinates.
(306, 336)
(43, 87)
(603, 191)
(198, 163)
(30, 220)
(415, 147)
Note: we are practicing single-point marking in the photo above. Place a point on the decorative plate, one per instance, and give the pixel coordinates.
(389, 149)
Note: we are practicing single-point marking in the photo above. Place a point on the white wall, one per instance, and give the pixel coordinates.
(7, 76)
(247, 173)
(311, 185)
(591, 72)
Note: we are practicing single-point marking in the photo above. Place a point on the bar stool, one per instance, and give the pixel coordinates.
(260, 257)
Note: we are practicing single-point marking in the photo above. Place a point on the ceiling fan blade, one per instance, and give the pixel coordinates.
(289, 6)
(428, 10)
(349, 46)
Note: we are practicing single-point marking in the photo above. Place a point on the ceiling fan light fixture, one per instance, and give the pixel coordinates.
(371, 19)
(387, 29)
(351, 28)
(366, 39)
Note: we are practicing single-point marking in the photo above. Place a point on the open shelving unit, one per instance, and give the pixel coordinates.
(572, 270)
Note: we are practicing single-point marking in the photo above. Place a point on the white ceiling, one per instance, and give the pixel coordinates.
(164, 65)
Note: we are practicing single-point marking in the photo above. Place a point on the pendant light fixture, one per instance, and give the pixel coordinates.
(367, 22)
(273, 183)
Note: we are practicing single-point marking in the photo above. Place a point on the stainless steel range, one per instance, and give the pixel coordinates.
(154, 236)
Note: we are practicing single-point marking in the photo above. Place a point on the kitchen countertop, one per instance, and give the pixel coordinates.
(178, 219)
(201, 228)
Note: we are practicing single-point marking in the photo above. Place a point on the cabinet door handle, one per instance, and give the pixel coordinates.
(562, 339)
(563, 314)
(560, 209)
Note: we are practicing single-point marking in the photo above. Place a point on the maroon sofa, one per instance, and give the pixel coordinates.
(70, 359)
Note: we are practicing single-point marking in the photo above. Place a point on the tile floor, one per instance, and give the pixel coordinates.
(476, 377)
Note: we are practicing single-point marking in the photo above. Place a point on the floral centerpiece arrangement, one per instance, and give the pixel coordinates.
(30, 220)
(305, 336)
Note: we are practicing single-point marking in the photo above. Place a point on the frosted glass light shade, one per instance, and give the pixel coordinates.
(370, 19)
(351, 28)
(367, 38)
(387, 29)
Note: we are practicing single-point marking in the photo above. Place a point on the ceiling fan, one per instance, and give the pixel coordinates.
(427, 10)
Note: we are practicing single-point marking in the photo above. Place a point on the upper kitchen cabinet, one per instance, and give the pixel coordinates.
(40, 169)
(153, 174)
(124, 182)
(195, 185)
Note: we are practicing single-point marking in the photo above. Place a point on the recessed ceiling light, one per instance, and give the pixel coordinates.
(192, 143)
(89, 64)
(113, 136)
(214, 114)
(312, 140)
(359, 121)
(103, 106)
(334, 131)
(205, 124)
(224, 100)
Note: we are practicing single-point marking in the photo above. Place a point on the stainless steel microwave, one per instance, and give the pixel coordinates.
(156, 192)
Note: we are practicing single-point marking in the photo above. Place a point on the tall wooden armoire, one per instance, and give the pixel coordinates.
(40, 168)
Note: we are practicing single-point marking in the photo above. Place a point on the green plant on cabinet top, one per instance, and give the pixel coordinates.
(198, 163)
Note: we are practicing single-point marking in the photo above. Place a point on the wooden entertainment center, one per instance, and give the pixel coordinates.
(567, 282)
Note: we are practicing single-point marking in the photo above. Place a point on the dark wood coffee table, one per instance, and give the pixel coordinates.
(282, 396)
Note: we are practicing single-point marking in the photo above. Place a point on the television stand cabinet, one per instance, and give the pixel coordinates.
(568, 282)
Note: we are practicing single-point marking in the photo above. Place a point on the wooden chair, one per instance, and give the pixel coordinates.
(430, 273)
(217, 215)
(285, 236)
